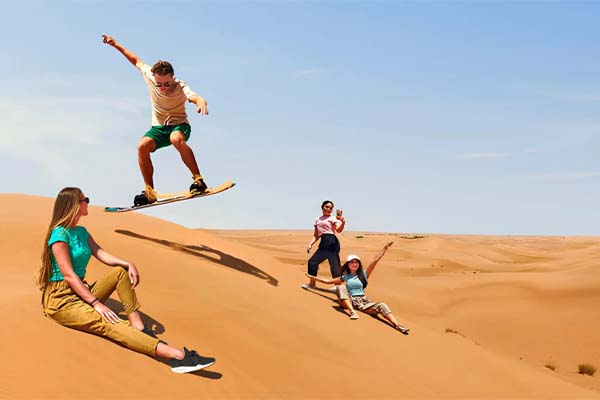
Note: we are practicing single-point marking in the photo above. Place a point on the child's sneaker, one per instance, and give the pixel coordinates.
(192, 361)
(353, 315)
(403, 330)
(198, 187)
(148, 196)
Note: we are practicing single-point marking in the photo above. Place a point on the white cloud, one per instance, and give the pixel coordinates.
(307, 72)
(483, 155)
(564, 175)
(55, 132)
(77, 119)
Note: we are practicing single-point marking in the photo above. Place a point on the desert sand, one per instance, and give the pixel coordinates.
(488, 315)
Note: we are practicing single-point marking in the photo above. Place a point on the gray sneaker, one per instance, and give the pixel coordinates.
(192, 361)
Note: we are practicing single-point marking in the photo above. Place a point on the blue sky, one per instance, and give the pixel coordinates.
(432, 117)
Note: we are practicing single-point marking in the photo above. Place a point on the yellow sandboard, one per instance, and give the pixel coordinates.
(168, 198)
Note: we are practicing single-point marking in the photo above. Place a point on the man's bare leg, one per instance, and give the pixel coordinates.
(186, 153)
(146, 146)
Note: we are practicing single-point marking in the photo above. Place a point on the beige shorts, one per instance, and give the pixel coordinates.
(362, 303)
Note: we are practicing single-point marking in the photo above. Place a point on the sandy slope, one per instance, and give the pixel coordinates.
(516, 303)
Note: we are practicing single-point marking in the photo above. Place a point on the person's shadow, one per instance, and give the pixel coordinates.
(153, 328)
(206, 252)
(336, 307)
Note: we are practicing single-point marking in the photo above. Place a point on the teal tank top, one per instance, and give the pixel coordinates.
(79, 250)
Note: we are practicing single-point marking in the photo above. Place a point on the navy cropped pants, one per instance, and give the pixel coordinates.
(329, 249)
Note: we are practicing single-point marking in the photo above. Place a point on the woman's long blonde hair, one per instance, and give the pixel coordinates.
(66, 209)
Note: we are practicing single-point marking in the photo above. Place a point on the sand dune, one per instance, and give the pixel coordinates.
(486, 315)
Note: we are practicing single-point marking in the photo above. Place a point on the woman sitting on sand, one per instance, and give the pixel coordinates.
(72, 302)
(326, 226)
(353, 295)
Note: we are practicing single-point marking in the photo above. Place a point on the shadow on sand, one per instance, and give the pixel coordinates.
(321, 292)
(205, 252)
(150, 323)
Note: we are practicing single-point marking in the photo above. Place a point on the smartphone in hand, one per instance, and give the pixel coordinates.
(338, 213)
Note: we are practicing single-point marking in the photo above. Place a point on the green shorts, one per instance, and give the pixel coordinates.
(160, 133)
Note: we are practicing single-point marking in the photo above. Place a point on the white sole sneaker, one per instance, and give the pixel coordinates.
(183, 370)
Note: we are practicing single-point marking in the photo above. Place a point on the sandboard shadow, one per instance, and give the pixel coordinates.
(222, 258)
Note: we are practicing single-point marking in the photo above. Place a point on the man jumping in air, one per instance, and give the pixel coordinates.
(169, 120)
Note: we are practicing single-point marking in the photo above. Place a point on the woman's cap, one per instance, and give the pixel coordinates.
(352, 257)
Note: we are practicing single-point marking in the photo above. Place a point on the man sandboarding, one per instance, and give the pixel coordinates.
(169, 121)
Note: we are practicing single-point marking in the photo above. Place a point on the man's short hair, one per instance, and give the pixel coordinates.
(162, 68)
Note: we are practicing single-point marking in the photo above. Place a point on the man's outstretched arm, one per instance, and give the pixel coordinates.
(135, 60)
(202, 105)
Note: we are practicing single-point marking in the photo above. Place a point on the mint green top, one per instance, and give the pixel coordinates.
(79, 250)
(354, 284)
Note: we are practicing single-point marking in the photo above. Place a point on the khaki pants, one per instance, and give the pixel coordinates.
(63, 305)
(362, 303)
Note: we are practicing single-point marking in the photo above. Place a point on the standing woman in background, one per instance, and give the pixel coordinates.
(72, 302)
(326, 227)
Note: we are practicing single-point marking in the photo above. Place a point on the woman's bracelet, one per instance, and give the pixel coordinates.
(94, 302)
